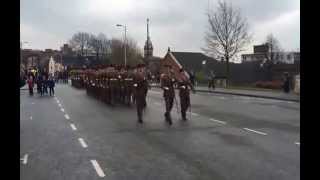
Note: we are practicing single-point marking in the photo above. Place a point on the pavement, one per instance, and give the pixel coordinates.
(74, 136)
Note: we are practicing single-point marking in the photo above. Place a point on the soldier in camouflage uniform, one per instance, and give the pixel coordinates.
(140, 86)
(184, 86)
(167, 84)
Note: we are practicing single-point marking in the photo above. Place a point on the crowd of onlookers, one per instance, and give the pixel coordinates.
(43, 83)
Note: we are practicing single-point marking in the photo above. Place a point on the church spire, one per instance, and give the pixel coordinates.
(148, 48)
(148, 37)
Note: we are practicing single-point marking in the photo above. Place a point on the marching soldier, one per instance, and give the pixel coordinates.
(184, 86)
(167, 84)
(113, 81)
(140, 86)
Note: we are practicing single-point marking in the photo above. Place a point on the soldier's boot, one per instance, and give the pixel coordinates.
(168, 118)
(139, 110)
(184, 117)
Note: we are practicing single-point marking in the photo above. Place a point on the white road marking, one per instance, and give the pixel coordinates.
(214, 120)
(297, 143)
(73, 127)
(58, 101)
(59, 105)
(222, 98)
(24, 159)
(98, 168)
(194, 114)
(62, 109)
(32, 103)
(83, 144)
(155, 92)
(156, 103)
(258, 132)
(66, 116)
(30, 117)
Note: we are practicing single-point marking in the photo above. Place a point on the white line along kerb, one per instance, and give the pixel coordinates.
(83, 144)
(24, 159)
(214, 120)
(194, 114)
(258, 132)
(97, 168)
(66, 116)
(73, 127)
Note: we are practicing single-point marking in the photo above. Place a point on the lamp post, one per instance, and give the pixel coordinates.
(125, 42)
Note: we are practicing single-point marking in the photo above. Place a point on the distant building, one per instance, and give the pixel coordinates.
(261, 53)
(66, 50)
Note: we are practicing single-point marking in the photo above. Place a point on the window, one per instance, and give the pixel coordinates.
(288, 56)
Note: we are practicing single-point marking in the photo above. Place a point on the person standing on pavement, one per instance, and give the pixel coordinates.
(211, 83)
(45, 84)
(51, 85)
(286, 83)
(184, 86)
(30, 85)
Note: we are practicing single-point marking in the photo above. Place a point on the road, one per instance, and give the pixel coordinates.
(75, 137)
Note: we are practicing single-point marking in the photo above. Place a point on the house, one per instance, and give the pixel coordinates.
(262, 52)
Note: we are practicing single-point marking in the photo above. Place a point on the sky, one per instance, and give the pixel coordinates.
(178, 24)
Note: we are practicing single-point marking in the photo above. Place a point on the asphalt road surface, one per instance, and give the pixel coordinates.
(75, 137)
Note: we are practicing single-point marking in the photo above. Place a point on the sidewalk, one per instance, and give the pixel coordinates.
(278, 95)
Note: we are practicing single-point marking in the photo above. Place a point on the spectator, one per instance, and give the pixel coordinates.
(286, 83)
(211, 83)
(30, 84)
(51, 85)
(45, 85)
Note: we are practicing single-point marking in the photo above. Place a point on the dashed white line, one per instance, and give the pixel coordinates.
(97, 168)
(66, 116)
(73, 127)
(59, 105)
(32, 103)
(258, 132)
(62, 109)
(297, 143)
(30, 117)
(214, 120)
(83, 144)
(24, 159)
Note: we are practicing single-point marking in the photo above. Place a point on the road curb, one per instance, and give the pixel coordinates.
(248, 95)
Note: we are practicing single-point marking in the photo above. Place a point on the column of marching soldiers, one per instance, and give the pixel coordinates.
(128, 85)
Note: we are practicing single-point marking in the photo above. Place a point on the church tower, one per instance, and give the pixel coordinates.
(148, 48)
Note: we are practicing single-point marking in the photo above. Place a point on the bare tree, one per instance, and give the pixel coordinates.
(274, 49)
(80, 43)
(134, 54)
(227, 33)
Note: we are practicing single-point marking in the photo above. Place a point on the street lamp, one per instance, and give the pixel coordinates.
(125, 44)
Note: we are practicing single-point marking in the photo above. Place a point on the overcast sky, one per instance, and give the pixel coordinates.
(179, 24)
